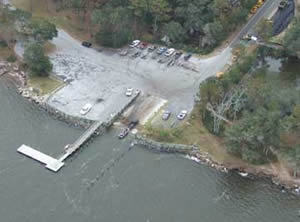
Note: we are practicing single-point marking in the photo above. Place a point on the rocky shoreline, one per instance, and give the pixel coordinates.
(193, 153)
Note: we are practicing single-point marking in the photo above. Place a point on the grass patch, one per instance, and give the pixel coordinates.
(45, 84)
(65, 19)
(7, 54)
(192, 131)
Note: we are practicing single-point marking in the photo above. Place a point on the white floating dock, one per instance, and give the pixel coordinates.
(50, 162)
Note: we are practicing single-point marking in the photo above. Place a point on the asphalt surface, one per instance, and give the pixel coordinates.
(283, 17)
(101, 78)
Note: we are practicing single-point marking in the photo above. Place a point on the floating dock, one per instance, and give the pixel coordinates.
(50, 162)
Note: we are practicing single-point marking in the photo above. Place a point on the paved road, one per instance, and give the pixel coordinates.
(264, 12)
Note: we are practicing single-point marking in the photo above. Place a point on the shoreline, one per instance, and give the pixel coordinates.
(16, 76)
(194, 154)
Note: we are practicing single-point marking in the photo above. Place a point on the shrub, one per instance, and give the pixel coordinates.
(11, 59)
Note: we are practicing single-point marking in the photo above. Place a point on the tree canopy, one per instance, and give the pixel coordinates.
(38, 63)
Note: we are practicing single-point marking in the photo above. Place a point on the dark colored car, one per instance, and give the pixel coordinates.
(177, 55)
(166, 115)
(86, 44)
(136, 54)
(187, 56)
(124, 133)
(283, 4)
(132, 124)
(152, 48)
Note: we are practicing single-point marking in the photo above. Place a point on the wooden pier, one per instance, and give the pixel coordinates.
(80, 141)
(56, 164)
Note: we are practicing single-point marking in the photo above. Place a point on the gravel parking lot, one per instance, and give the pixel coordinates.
(101, 78)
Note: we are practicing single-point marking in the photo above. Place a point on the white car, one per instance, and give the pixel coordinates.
(87, 107)
(129, 91)
(182, 114)
(137, 92)
(134, 43)
(170, 52)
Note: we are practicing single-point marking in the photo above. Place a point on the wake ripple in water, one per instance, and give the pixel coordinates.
(107, 167)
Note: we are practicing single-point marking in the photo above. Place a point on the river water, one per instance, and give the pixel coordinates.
(108, 182)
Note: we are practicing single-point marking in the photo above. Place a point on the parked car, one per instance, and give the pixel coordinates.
(283, 4)
(129, 91)
(170, 52)
(166, 115)
(152, 48)
(144, 55)
(161, 50)
(124, 52)
(246, 37)
(132, 124)
(136, 54)
(177, 55)
(134, 43)
(182, 114)
(86, 44)
(187, 56)
(86, 108)
(124, 133)
(143, 45)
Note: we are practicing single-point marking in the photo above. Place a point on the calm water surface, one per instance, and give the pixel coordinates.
(107, 182)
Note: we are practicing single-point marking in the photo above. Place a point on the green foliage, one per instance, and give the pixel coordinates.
(255, 136)
(269, 118)
(292, 154)
(38, 63)
(200, 24)
(41, 29)
(292, 39)
(115, 28)
(11, 59)
(264, 29)
(3, 44)
(175, 32)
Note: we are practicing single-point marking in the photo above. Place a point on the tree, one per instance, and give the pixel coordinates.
(42, 30)
(264, 29)
(291, 41)
(175, 32)
(293, 156)
(38, 63)
(255, 137)
(114, 26)
(154, 10)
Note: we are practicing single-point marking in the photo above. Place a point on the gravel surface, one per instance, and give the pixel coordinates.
(93, 76)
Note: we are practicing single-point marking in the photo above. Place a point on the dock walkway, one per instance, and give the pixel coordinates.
(81, 140)
(51, 163)
(56, 164)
